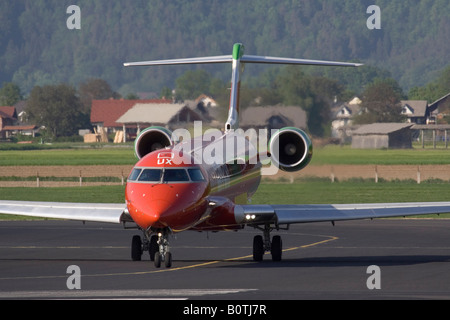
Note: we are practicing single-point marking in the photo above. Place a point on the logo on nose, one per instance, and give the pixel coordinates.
(165, 158)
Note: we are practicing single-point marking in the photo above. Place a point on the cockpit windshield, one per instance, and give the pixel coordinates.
(166, 175)
(151, 175)
(175, 175)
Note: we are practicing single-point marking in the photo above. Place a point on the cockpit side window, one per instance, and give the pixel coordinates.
(152, 175)
(175, 175)
(134, 174)
(196, 175)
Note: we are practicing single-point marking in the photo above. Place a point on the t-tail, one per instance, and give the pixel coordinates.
(237, 59)
(233, 109)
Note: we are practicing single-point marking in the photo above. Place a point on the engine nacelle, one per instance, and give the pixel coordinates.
(152, 139)
(290, 149)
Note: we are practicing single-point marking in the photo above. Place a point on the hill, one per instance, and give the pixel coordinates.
(37, 48)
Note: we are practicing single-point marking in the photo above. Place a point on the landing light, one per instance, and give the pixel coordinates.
(250, 217)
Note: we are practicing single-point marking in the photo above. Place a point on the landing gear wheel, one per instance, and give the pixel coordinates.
(276, 248)
(153, 247)
(157, 260)
(136, 248)
(159, 245)
(258, 248)
(168, 260)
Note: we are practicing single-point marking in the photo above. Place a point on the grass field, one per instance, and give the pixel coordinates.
(308, 192)
(331, 154)
(337, 155)
(70, 157)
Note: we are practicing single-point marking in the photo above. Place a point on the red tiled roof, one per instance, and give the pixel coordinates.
(108, 111)
(8, 112)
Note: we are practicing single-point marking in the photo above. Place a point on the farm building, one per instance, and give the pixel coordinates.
(104, 113)
(170, 115)
(383, 135)
(273, 117)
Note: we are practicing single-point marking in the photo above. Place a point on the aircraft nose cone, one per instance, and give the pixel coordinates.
(158, 208)
(149, 214)
(165, 205)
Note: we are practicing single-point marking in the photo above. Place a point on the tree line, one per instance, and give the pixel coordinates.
(37, 48)
(63, 108)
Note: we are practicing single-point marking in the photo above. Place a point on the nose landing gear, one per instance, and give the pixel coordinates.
(156, 245)
(163, 254)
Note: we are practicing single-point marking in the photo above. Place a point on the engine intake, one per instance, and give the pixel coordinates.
(152, 139)
(290, 149)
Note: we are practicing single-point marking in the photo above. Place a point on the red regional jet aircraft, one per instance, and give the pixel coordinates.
(198, 184)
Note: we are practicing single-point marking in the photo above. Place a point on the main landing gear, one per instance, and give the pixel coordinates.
(157, 246)
(262, 245)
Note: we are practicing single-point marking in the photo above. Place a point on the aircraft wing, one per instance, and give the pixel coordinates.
(290, 214)
(96, 212)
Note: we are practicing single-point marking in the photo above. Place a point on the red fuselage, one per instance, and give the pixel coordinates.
(182, 188)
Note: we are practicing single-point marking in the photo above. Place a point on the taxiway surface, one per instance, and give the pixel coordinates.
(319, 262)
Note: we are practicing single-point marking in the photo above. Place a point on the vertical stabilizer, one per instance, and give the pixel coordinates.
(233, 109)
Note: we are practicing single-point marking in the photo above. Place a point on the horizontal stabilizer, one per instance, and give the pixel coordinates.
(243, 59)
(201, 60)
(276, 60)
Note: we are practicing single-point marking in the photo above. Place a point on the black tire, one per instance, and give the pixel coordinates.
(258, 248)
(136, 248)
(153, 248)
(168, 260)
(157, 260)
(277, 248)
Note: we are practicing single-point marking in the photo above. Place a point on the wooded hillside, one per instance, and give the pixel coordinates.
(37, 48)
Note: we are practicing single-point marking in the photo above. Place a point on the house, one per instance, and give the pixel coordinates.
(440, 108)
(383, 135)
(273, 117)
(204, 106)
(9, 125)
(416, 111)
(8, 117)
(207, 101)
(343, 115)
(22, 115)
(104, 113)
